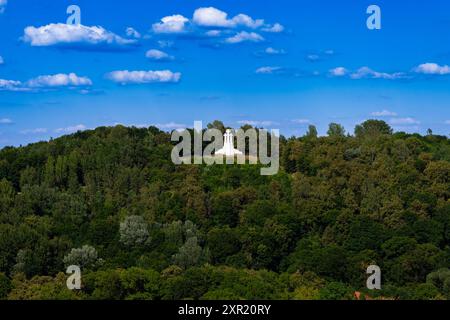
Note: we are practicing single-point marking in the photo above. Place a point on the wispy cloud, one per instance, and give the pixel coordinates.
(319, 55)
(273, 51)
(170, 125)
(383, 113)
(403, 121)
(255, 123)
(6, 121)
(34, 131)
(366, 73)
(71, 129)
(267, 70)
(301, 121)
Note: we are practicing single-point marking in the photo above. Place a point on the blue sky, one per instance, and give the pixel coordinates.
(278, 64)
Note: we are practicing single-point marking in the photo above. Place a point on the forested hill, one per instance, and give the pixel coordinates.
(111, 201)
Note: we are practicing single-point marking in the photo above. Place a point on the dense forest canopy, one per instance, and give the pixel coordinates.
(111, 201)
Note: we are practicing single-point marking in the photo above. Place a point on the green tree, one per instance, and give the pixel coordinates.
(133, 231)
(336, 130)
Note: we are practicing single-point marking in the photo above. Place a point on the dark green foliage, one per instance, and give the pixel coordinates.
(153, 230)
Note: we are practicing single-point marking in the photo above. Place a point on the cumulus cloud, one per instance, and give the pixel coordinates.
(432, 69)
(212, 17)
(59, 80)
(383, 113)
(3, 4)
(71, 129)
(6, 121)
(73, 36)
(366, 72)
(338, 72)
(404, 121)
(171, 24)
(133, 33)
(158, 55)
(143, 77)
(244, 36)
(47, 81)
(276, 28)
(247, 21)
(11, 85)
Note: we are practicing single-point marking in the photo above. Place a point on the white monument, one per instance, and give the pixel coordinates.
(228, 146)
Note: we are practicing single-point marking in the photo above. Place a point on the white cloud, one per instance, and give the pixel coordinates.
(432, 68)
(142, 77)
(11, 85)
(170, 125)
(403, 121)
(267, 70)
(1, 60)
(34, 131)
(158, 55)
(273, 51)
(70, 35)
(171, 24)
(212, 17)
(366, 72)
(383, 113)
(3, 4)
(257, 123)
(76, 128)
(245, 20)
(213, 33)
(338, 72)
(276, 28)
(245, 36)
(133, 33)
(301, 121)
(59, 80)
(6, 121)
(313, 57)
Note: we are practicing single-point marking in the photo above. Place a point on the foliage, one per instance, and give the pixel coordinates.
(158, 231)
